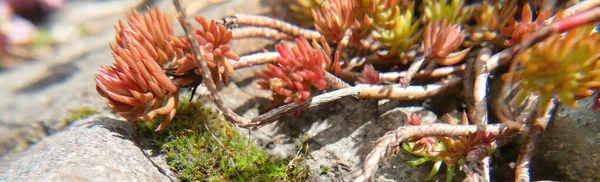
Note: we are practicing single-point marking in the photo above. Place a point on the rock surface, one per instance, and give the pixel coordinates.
(571, 142)
(95, 149)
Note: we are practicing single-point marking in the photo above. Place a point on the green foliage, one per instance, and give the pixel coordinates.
(76, 114)
(425, 157)
(452, 11)
(200, 146)
(402, 35)
(564, 66)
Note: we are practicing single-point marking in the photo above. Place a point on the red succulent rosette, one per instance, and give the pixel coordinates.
(214, 39)
(296, 70)
(136, 85)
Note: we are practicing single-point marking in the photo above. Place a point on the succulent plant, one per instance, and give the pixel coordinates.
(377, 13)
(213, 39)
(566, 66)
(333, 19)
(518, 31)
(490, 17)
(369, 75)
(135, 82)
(440, 39)
(454, 12)
(401, 36)
(136, 85)
(451, 151)
(303, 11)
(153, 30)
(296, 70)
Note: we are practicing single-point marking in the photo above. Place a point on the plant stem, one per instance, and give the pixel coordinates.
(480, 98)
(412, 70)
(527, 149)
(438, 72)
(358, 91)
(231, 116)
(384, 146)
(264, 21)
(334, 81)
(246, 32)
(480, 87)
(255, 59)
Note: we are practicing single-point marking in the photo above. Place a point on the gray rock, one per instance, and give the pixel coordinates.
(571, 142)
(95, 149)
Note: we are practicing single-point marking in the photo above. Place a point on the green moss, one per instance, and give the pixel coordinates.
(324, 169)
(76, 114)
(198, 145)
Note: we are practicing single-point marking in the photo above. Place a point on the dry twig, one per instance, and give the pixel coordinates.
(247, 32)
(231, 116)
(334, 81)
(255, 59)
(284, 27)
(438, 72)
(480, 98)
(387, 145)
(358, 91)
(527, 149)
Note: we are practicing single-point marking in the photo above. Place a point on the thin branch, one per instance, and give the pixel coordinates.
(264, 21)
(480, 98)
(501, 58)
(404, 93)
(438, 72)
(527, 149)
(480, 87)
(468, 82)
(412, 70)
(318, 100)
(384, 146)
(359, 91)
(264, 32)
(334, 81)
(515, 128)
(231, 116)
(579, 7)
(255, 59)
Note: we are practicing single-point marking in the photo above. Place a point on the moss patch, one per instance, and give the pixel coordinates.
(76, 114)
(200, 146)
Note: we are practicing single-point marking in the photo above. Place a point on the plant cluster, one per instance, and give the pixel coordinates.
(392, 49)
(451, 151)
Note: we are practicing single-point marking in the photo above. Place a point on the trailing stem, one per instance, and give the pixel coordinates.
(436, 73)
(255, 59)
(231, 116)
(480, 97)
(334, 81)
(527, 149)
(412, 70)
(358, 91)
(284, 27)
(387, 145)
(264, 32)
(468, 82)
